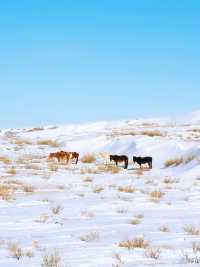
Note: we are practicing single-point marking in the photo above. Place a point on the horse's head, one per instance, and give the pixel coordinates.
(134, 159)
(111, 158)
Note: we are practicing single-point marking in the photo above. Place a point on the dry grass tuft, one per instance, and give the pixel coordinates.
(35, 129)
(11, 171)
(91, 236)
(156, 194)
(53, 167)
(138, 242)
(191, 230)
(164, 229)
(5, 192)
(109, 168)
(51, 260)
(5, 160)
(126, 189)
(135, 221)
(88, 158)
(98, 189)
(88, 179)
(15, 251)
(196, 247)
(57, 209)
(28, 188)
(153, 253)
(48, 142)
(174, 162)
(153, 133)
(21, 141)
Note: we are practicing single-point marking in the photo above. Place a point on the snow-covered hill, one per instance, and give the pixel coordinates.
(91, 212)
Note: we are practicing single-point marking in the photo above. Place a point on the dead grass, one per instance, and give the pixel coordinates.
(88, 158)
(156, 195)
(87, 170)
(51, 260)
(169, 180)
(98, 189)
(138, 242)
(153, 133)
(28, 188)
(5, 192)
(53, 167)
(15, 251)
(109, 168)
(135, 221)
(91, 236)
(153, 253)
(21, 141)
(88, 179)
(57, 209)
(196, 247)
(164, 229)
(48, 142)
(5, 160)
(174, 162)
(35, 129)
(126, 189)
(12, 171)
(191, 230)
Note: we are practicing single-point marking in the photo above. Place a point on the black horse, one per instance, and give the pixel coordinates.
(121, 158)
(143, 160)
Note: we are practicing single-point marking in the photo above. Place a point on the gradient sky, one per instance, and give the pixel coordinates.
(76, 61)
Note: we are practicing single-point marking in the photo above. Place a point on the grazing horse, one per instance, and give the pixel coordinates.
(143, 160)
(121, 158)
(61, 155)
(74, 155)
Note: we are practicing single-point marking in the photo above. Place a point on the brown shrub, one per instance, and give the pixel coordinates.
(126, 189)
(5, 160)
(88, 158)
(48, 142)
(138, 242)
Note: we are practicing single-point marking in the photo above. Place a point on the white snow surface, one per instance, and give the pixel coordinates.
(95, 207)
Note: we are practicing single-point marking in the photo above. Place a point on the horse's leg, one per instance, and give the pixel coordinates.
(116, 163)
(76, 160)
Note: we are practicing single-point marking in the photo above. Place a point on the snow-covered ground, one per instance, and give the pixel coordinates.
(85, 215)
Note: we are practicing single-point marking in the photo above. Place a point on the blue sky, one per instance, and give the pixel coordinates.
(76, 61)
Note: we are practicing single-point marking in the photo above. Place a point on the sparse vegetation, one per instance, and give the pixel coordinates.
(138, 242)
(12, 170)
(51, 259)
(156, 194)
(126, 189)
(15, 251)
(153, 253)
(56, 209)
(48, 142)
(5, 160)
(88, 158)
(174, 162)
(164, 229)
(109, 168)
(91, 236)
(191, 230)
(98, 189)
(135, 221)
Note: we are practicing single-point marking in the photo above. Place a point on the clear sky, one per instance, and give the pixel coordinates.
(76, 61)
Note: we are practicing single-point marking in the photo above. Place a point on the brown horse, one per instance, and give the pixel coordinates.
(74, 155)
(60, 156)
(121, 158)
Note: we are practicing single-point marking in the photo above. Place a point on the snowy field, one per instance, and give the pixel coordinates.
(94, 214)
